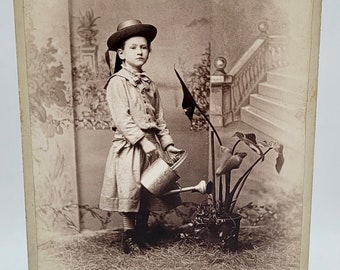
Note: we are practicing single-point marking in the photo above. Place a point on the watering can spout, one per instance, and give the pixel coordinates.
(202, 187)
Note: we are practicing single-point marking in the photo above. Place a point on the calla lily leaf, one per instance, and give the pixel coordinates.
(251, 137)
(279, 149)
(239, 135)
(279, 162)
(280, 158)
(250, 140)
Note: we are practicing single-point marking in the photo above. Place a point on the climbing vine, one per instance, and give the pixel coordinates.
(199, 86)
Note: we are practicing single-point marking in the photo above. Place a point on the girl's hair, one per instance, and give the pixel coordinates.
(118, 61)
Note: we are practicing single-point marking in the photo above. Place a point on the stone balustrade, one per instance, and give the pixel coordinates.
(229, 92)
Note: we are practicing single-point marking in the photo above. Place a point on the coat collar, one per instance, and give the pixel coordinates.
(134, 79)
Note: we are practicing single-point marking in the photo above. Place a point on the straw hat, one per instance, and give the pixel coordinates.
(129, 29)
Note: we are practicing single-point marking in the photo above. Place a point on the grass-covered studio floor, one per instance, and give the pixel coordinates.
(273, 244)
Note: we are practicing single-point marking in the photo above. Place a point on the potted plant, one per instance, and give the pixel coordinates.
(218, 220)
(87, 28)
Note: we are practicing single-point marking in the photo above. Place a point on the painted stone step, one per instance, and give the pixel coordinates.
(266, 123)
(280, 93)
(287, 81)
(289, 114)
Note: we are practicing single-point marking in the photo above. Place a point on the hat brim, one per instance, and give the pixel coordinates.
(145, 30)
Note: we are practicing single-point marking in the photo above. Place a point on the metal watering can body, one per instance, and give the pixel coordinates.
(160, 177)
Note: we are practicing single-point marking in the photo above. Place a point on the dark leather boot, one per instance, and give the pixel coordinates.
(142, 237)
(129, 243)
(142, 229)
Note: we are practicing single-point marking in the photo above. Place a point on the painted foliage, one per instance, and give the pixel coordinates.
(89, 76)
(50, 100)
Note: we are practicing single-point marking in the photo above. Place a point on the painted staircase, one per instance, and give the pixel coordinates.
(278, 108)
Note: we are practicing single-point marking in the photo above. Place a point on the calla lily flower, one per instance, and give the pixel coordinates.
(230, 162)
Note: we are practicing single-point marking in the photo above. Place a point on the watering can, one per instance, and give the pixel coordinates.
(160, 177)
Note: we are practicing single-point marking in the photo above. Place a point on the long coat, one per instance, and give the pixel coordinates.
(136, 111)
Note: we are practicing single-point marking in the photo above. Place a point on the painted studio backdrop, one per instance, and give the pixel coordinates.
(70, 120)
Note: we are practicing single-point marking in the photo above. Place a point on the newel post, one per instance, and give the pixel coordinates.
(220, 96)
(263, 28)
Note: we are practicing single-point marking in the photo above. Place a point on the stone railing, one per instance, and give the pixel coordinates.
(277, 52)
(229, 92)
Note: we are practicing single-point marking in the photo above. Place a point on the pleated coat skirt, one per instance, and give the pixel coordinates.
(122, 190)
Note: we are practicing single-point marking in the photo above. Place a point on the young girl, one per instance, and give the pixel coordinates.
(140, 134)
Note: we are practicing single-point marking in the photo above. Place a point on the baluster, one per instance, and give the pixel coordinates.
(277, 50)
(284, 55)
(256, 67)
(248, 77)
(240, 90)
(273, 55)
(279, 54)
(239, 86)
(269, 55)
(244, 82)
(248, 81)
(253, 71)
(264, 63)
(262, 60)
(251, 75)
(259, 64)
(233, 102)
(237, 97)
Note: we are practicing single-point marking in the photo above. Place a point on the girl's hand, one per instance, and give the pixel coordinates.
(175, 153)
(173, 150)
(147, 146)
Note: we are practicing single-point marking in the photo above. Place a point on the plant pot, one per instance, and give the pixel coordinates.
(228, 230)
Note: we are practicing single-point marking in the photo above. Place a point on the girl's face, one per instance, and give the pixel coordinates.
(135, 53)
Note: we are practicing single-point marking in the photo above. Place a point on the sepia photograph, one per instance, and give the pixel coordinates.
(168, 134)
